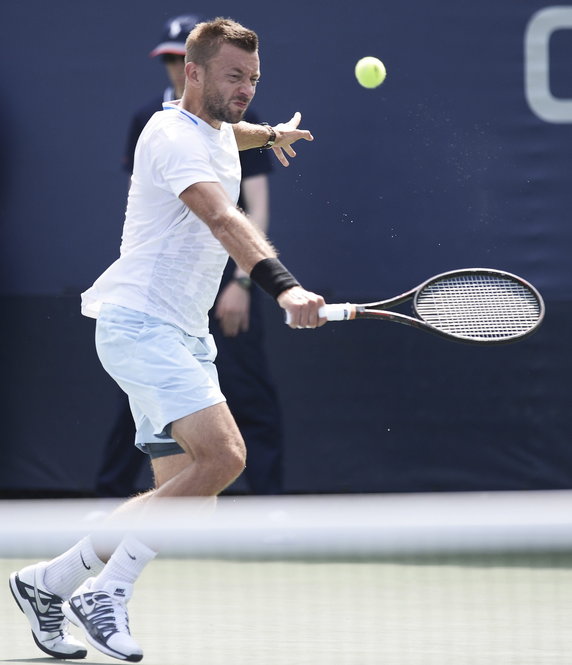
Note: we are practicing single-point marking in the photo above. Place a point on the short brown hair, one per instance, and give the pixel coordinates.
(205, 39)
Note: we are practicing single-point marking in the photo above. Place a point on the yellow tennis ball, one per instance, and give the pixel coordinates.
(370, 72)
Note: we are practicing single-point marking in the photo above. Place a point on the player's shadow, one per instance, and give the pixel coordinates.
(49, 659)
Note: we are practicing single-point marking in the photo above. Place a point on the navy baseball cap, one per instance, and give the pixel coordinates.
(175, 35)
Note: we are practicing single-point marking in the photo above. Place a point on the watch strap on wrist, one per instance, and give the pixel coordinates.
(271, 137)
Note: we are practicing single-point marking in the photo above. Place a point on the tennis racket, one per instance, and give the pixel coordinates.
(474, 305)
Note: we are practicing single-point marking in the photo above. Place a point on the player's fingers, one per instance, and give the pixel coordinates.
(317, 319)
(309, 316)
(305, 134)
(295, 119)
(280, 156)
(297, 135)
(302, 326)
(294, 317)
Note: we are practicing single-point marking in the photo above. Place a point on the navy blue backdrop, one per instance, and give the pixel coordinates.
(462, 158)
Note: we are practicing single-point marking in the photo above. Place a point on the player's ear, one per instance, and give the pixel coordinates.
(194, 73)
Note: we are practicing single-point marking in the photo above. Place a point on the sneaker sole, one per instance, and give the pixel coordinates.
(70, 614)
(31, 616)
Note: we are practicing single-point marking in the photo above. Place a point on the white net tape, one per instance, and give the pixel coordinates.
(328, 526)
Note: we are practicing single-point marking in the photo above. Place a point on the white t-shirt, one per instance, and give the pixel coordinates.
(170, 264)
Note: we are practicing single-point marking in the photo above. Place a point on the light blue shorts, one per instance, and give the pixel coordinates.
(166, 373)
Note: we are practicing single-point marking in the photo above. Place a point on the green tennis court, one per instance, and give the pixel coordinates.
(511, 609)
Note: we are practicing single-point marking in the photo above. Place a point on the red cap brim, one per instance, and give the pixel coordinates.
(168, 47)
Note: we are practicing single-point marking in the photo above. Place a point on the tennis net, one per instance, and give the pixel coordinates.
(357, 580)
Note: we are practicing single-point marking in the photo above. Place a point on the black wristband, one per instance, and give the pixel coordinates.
(272, 277)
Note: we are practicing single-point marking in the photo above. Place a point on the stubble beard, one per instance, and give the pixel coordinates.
(219, 110)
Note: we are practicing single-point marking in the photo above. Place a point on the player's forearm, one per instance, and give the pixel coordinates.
(250, 136)
(241, 239)
(280, 137)
(231, 228)
(254, 254)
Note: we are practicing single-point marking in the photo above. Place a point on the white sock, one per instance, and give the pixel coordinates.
(125, 564)
(69, 570)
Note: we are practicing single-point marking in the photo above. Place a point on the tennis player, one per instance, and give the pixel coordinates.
(236, 320)
(152, 336)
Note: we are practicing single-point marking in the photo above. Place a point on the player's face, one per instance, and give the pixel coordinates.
(230, 83)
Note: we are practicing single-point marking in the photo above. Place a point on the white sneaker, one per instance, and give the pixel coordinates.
(44, 612)
(102, 614)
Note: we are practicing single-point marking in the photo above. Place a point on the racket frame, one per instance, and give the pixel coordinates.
(377, 310)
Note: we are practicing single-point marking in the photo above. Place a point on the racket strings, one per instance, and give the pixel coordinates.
(479, 306)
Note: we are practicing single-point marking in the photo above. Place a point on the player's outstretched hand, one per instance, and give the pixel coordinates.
(288, 133)
(302, 308)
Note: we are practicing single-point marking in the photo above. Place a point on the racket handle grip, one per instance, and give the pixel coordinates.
(337, 312)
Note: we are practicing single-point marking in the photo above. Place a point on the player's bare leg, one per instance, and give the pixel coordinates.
(214, 456)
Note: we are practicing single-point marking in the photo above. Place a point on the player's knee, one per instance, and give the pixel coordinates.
(235, 459)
